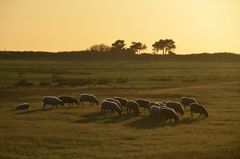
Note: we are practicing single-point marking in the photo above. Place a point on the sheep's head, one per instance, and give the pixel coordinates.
(61, 103)
(96, 101)
(205, 113)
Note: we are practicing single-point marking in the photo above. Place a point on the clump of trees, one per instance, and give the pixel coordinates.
(100, 48)
(119, 46)
(166, 46)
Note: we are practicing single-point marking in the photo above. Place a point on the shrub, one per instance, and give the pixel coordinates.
(23, 83)
(103, 81)
(122, 80)
(44, 84)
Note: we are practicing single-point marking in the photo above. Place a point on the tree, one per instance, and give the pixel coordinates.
(158, 45)
(100, 48)
(170, 45)
(166, 46)
(118, 45)
(137, 47)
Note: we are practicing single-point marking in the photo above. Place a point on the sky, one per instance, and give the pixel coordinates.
(68, 25)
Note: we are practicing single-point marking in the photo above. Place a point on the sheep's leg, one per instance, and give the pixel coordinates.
(44, 106)
(191, 114)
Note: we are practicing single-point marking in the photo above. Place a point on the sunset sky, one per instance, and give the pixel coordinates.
(63, 25)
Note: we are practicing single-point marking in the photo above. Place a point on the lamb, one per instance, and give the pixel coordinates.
(132, 105)
(168, 114)
(112, 106)
(186, 101)
(123, 101)
(88, 98)
(68, 99)
(143, 103)
(116, 101)
(198, 108)
(22, 106)
(51, 100)
(176, 106)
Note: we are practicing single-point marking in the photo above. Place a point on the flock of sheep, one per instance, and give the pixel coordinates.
(158, 110)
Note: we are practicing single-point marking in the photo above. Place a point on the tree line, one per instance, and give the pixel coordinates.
(119, 46)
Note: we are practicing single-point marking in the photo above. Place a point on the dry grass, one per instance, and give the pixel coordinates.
(83, 132)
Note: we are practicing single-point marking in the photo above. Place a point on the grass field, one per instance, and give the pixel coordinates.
(83, 132)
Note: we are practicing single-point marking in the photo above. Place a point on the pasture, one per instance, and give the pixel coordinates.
(83, 132)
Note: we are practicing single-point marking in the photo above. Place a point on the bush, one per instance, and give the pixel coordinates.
(163, 79)
(23, 83)
(44, 84)
(103, 81)
(122, 80)
(73, 82)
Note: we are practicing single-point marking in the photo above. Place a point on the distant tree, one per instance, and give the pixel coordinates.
(158, 45)
(118, 45)
(100, 48)
(166, 46)
(137, 47)
(169, 46)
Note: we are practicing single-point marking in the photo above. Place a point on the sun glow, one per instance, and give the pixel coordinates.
(195, 25)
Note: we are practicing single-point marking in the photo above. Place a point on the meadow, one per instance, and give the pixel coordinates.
(83, 132)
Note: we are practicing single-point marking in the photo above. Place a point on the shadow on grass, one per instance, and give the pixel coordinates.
(188, 120)
(149, 123)
(145, 122)
(106, 118)
(30, 111)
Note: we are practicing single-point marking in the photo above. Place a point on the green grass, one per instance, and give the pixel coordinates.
(83, 132)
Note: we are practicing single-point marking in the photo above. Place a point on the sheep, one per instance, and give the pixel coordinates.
(132, 105)
(186, 101)
(155, 104)
(123, 101)
(155, 111)
(143, 103)
(68, 99)
(22, 106)
(88, 98)
(116, 101)
(176, 106)
(198, 108)
(51, 100)
(108, 105)
(168, 114)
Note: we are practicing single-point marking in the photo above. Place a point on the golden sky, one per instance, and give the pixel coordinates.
(62, 25)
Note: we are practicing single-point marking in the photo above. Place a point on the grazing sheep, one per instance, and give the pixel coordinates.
(186, 101)
(160, 104)
(22, 106)
(68, 99)
(123, 101)
(155, 112)
(131, 105)
(88, 98)
(198, 108)
(116, 101)
(143, 103)
(51, 100)
(168, 114)
(176, 106)
(112, 106)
